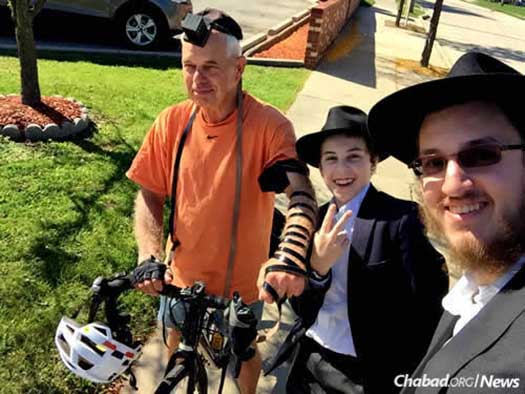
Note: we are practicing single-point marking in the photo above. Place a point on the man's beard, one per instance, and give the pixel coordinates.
(470, 253)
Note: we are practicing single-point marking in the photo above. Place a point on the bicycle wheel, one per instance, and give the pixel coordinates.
(177, 381)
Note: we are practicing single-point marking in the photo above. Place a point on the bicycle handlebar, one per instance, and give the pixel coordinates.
(113, 288)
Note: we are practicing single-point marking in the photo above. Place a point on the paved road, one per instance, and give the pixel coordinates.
(257, 15)
(96, 35)
(464, 26)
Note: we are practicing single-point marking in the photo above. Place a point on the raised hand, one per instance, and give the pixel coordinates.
(329, 241)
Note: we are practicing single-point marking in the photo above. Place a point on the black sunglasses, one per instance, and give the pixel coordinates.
(474, 156)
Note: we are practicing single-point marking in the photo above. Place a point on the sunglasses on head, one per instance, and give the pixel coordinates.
(471, 157)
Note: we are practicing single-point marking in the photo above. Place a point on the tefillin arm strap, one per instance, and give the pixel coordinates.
(291, 255)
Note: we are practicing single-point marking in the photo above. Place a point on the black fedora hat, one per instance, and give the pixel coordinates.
(342, 119)
(394, 122)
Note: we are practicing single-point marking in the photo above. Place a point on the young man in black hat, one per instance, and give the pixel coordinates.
(221, 156)
(374, 301)
(464, 141)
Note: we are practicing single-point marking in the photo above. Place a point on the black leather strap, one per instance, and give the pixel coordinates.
(285, 268)
(295, 234)
(304, 194)
(294, 242)
(283, 250)
(269, 288)
(297, 226)
(176, 165)
(304, 205)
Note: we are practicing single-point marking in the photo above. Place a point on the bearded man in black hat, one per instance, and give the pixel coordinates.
(464, 141)
(374, 297)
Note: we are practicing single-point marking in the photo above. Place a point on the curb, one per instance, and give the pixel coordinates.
(260, 61)
(276, 34)
(253, 41)
(104, 51)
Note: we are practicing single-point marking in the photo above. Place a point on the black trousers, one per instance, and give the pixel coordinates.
(318, 370)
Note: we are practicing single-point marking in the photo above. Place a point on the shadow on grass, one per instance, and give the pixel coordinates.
(51, 246)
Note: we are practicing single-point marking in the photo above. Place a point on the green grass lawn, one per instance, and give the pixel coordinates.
(512, 10)
(66, 208)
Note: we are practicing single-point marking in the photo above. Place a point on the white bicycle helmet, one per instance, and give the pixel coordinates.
(91, 352)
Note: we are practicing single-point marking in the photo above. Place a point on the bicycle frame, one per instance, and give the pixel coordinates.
(195, 331)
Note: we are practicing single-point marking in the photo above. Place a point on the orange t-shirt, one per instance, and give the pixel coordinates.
(206, 190)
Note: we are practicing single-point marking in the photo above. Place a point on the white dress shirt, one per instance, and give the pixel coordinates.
(332, 328)
(466, 298)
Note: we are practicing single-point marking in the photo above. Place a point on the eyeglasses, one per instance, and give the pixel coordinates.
(475, 156)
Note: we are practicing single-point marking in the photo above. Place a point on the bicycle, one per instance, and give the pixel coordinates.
(186, 365)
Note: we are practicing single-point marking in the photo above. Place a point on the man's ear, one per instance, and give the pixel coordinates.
(241, 64)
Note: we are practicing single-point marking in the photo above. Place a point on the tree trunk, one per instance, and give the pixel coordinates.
(429, 43)
(400, 12)
(23, 12)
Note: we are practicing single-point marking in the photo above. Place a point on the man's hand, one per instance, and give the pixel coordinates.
(329, 241)
(149, 276)
(285, 284)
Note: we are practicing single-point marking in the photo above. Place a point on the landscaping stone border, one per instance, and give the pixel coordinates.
(52, 131)
(274, 35)
(326, 18)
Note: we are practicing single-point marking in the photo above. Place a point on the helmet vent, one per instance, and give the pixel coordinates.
(92, 345)
(100, 329)
(63, 344)
(117, 354)
(84, 364)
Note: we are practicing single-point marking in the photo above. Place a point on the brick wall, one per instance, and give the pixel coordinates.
(326, 21)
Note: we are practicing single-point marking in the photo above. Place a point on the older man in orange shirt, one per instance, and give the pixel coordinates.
(223, 155)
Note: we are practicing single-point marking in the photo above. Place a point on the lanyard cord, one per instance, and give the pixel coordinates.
(174, 242)
(237, 202)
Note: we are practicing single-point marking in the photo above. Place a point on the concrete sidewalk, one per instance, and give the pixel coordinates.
(363, 66)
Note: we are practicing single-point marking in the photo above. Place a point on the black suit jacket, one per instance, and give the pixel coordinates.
(490, 348)
(395, 286)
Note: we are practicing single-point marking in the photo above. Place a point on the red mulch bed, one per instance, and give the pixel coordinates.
(51, 110)
(292, 47)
